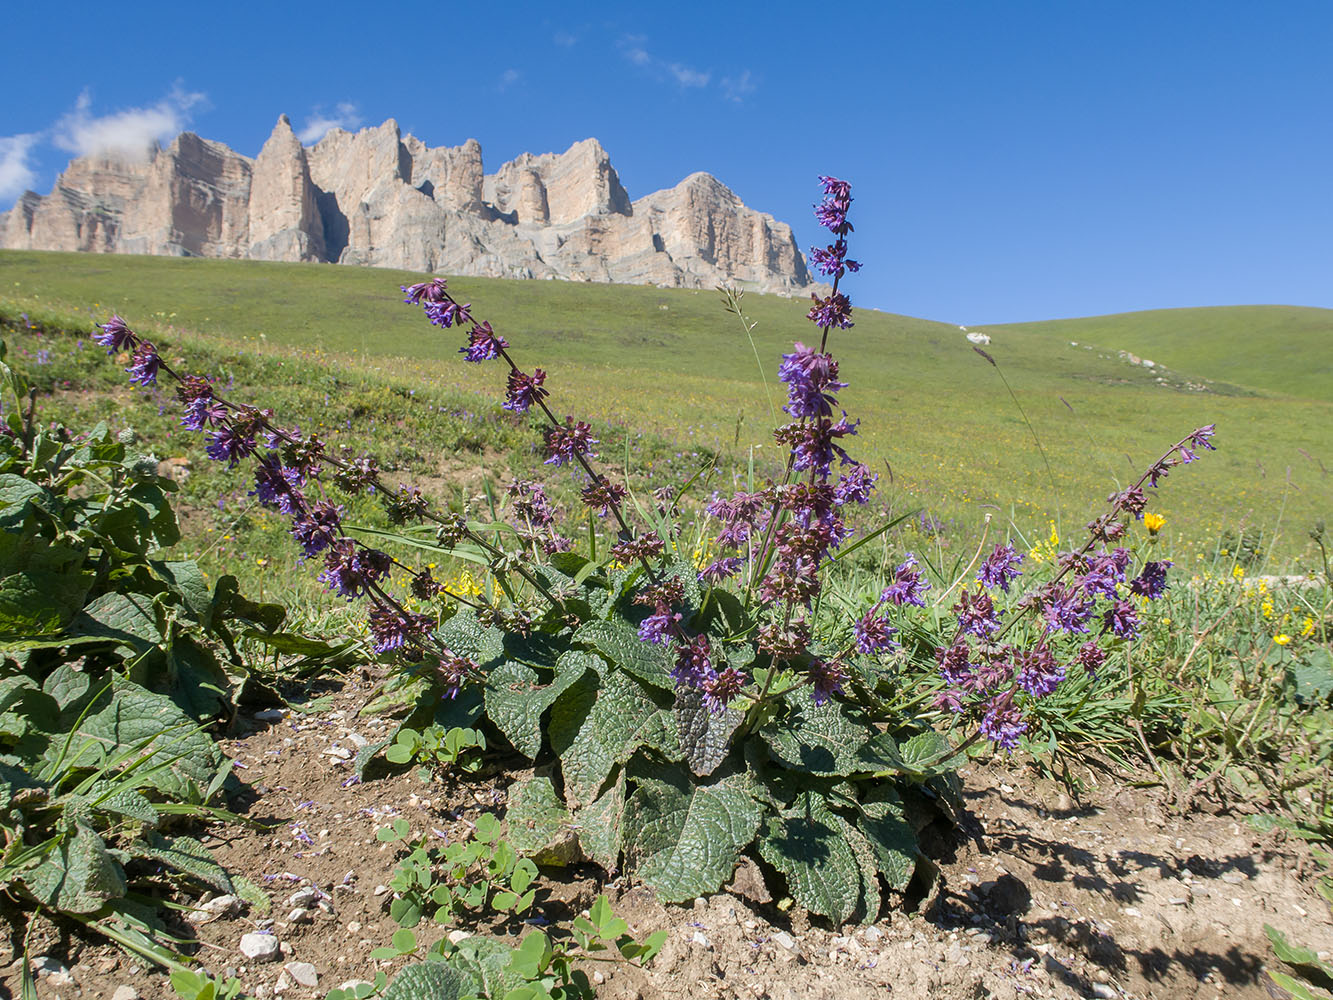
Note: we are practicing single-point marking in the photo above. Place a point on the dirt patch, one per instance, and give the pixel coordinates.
(1038, 895)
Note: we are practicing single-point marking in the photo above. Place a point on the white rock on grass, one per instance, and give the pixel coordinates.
(303, 973)
(260, 947)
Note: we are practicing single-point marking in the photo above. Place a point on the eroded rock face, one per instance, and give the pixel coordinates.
(382, 199)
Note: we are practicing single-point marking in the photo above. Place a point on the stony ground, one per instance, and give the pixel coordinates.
(1039, 895)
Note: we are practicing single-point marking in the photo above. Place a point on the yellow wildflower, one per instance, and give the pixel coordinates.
(465, 584)
(1153, 522)
(1267, 608)
(1055, 536)
(1307, 627)
(1238, 572)
(1282, 638)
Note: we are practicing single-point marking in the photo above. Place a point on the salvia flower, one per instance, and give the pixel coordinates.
(721, 689)
(483, 344)
(454, 671)
(659, 627)
(116, 336)
(1090, 657)
(1066, 609)
(720, 569)
(1003, 722)
(277, 486)
(449, 313)
(908, 586)
(523, 390)
(426, 291)
(1000, 567)
(1122, 620)
(1151, 581)
(855, 485)
(873, 633)
(230, 444)
(1038, 671)
(832, 260)
(646, 546)
(811, 379)
(350, 569)
(602, 495)
(317, 528)
(977, 614)
(564, 443)
(833, 311)
(144, 365)
(826, 679)
(201, 412)
(694, 663)
(393, 629)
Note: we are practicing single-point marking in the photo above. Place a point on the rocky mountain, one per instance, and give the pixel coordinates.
(383, 199)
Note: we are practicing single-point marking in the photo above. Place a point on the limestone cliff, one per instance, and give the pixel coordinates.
(382, 199)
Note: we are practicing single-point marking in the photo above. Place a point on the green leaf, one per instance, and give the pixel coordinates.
(189, 857)
(431, 981)
(184, 580)
(486, 960)
(16, 493)
(620, 644)
(828, 740)
(927, 753)
(1312, 675)
(1297, 989)
(599, 723)
(1303, 960)
(128, 802)
(599, 826)
(40, 602)
(871, 898)
(684, 839)
(131, 619)
(463, 635)
(516, 699)
(539, 826)
(807, 845)
(884, 821)
(78, 877)
(705, 735)
(532, 957)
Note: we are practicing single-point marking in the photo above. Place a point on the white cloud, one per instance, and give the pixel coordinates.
(317, 122)
(130, 132)
(565, 39)
(738, 88)
(508, 78)
(632, 47)
(16, 174)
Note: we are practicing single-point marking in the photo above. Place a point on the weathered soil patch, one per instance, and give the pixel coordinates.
(1038, 896)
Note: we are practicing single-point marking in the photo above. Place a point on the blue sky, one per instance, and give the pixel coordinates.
(1010, 160)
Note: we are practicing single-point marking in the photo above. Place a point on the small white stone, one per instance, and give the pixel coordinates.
(354, 926)
(1103, 992)
(873, 933)
(598, 978)
(125, 993)
(701, 940)
(300, 915)
(380, 890)
(457, 936)
(357, 740)
(303, 973)
(352, 984)
(342, 753)
(304, 897)
(260, 947)
(786, 940)
(1131, 911)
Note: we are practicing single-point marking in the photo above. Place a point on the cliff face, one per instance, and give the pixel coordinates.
(382, 199)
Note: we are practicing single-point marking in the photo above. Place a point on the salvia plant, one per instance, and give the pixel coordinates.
(680, 714)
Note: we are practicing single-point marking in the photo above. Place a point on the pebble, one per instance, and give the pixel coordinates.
(260, 947)
(357, 740)
(354, 926)
(457, 936)
(125, 993)
(342, 753)
(598, 978)
(269, 715)
(380, 890)
(300, 915)
(785, 939)
(352, 984)
(303, 973)
(701, 940)
(873, 933)
(1233, 878)
(55, 971)
(304, 897)
(1103, 992)
(213, 909)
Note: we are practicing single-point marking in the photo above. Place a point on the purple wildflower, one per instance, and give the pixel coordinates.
(720, 689)
(811, 379)
(908, 586)
(230, 443)
(276, 486)
(565, 443)
(832, 260)
(814, 444)
(454, 671)
(603, 496)
(1066, 609)
(523, 390)
(449, 313)
(977, 614)
(834, 311)
(1038, 671)
(350, 569)
(393, 629)
(694, 663)
(827, 679)
(483, 344)
(428, 291)
(317, 528)
(720, 569)
(659, 627)
(1151, 581)
(1003, 723)
(1000, 567)
(955, 664)
(1122, 619)
(116, 336)
(1090, 657)
(144, 365)
(873, 633)
(855, 485)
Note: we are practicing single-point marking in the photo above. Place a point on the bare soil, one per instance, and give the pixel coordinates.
(1038, 895)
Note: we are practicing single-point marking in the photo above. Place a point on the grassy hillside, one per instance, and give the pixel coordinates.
(1283, 349)
(937, 419)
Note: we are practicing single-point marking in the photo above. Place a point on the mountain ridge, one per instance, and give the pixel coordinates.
(379, 197)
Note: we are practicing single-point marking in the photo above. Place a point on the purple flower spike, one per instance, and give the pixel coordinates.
(908, 587)
(144, 366)
(1000, 567)
(1122, 620)
(720, 569)
(694, 663)
(484, 344)
(392, 629)
(350, 569)
(720, 689)
(874, 634)
(318, 528)
(1151, 581)
(1003, 723)
(1039, 674)
(827, 679)
(523, 390)
(229, 444)
(811, 379)
(565, 443)
(116, 336)
(425, 291)
(454, 672)
(834, 311)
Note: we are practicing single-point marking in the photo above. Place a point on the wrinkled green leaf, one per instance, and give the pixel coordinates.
(705, 735)
(189, 857)
(807, 845)
(79, 876)
(620, 644)
(884, 822)
(539, 825)
(516, 699)
(431, 981)
(828, 740)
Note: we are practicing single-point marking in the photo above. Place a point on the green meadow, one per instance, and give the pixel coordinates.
(937, 420)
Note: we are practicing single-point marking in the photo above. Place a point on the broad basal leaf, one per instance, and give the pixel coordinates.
(600, 722)
(516, 699)
(539, 825)
(828, 739)
(684, 839)
(189, 857)
(431, 981)
(883, 819)
(620, 644)
(705, 735)
(807, 845)
(463, 635)
(79, 876)
(598, 826)
(130, 619)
